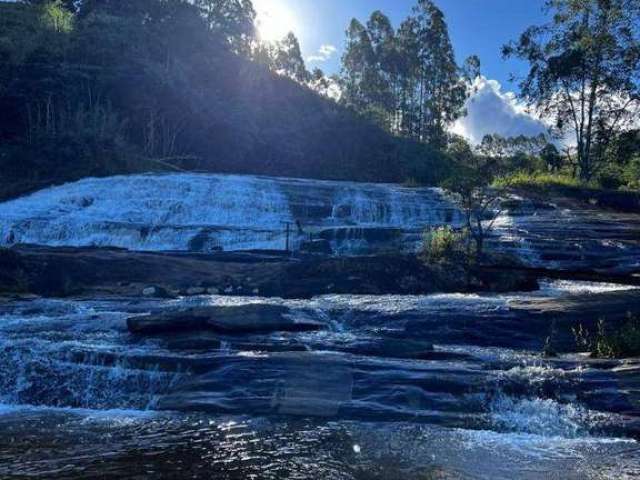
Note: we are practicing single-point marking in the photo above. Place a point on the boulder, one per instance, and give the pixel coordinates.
(241, 319)
(155, 292)
(173, 322)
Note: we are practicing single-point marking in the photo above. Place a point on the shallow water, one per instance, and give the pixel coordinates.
(117, 444)
(82, 398)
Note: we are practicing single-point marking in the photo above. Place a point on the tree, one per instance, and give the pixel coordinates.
(234, 19)
(322, 84)
(287, 59)
(383, 79)
(407, 80)
(584, 71)
(357, 67)
(69, 5)
(409, 73)
(472, 183)
(471, 68)
(510, 154)
(442, 92)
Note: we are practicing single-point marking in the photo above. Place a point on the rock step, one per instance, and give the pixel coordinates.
(239, 319)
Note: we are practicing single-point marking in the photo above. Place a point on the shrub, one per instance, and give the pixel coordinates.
(444, 245)
(610, 177)
(631, 174)
(608, 342)
(539, 180)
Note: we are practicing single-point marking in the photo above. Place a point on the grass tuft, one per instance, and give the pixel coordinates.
(539, 180)
(610, 342)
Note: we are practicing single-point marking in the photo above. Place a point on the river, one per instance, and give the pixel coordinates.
(363, 398)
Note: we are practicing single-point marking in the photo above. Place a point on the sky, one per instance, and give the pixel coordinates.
(478, 27)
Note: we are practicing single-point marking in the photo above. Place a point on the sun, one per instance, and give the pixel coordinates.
(274, 20)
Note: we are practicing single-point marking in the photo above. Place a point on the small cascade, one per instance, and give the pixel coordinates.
(546, 236)
(33, 374)
(63, 354)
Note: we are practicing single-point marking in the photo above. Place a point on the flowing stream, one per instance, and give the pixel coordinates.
(363, 398)
(201, 212)
(430, 387)
(206, 212)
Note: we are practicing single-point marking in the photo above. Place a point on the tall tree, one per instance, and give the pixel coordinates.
(442, 92)
(409, 78)
(584, 71)
(287, 59)
(382, 87)
(357, 67)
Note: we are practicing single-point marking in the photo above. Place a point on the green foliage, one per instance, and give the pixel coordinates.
(287, 59)
(584, 68)
(80, 91)
(610, 177)
(631, 174)
(406, 80)
(233, 19)
(537, 180)
(611, 342)
(444, 245)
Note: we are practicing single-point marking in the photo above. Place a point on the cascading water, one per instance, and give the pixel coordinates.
(437, 386)
(66, 354)
(204, 212)
(234, 406)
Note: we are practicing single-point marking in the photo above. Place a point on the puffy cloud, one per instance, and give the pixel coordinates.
(324, 53)
(490, 110)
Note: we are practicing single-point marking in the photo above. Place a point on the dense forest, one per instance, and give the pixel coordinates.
(100, 87)
(104, 87)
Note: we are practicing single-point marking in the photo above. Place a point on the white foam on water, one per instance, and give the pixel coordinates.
(204, 211)
(563, 287)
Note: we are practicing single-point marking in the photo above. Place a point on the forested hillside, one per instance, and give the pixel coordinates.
(103, 87)
(118, 86)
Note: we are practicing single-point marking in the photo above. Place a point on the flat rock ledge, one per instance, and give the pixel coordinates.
(90, 272)
(242, 319)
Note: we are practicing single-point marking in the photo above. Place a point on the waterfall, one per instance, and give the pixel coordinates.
(203, 212)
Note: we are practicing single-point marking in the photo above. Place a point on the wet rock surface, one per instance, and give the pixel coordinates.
(90, 271)
(238, 319)
(569, 237)
(466, 368)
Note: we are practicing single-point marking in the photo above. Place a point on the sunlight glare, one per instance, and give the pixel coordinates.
(274, 20)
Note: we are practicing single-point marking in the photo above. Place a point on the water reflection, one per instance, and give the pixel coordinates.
(369, 397)
(85, 444)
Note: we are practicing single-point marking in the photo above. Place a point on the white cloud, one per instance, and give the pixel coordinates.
(490, 110)
(324, 53)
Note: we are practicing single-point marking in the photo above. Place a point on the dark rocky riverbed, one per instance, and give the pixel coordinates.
(97, 271)
(436, 386)
(191, 356)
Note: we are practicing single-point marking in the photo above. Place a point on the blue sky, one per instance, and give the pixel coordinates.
(478, 27)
